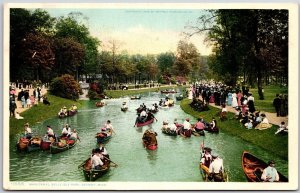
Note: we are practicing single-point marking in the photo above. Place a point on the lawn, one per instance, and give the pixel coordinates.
(266, 139)
(269, 94)
(40, 113)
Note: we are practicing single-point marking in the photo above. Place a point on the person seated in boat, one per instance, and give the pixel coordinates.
(150, 116)
(165, 124)
(103, 151)
(66, 131)
(74, 134)
(270, 173)
(186, 126)
(28, 131)
(152, 108)
(65, 111)
(199, 126)
(161, 102)
(61, 112)
(107, 126)
(206, 159)
(216, 169)
(173, 127)
(124, 106)
(73, 108)
(282, 129)
(18, 116)
(143, 116)
(50, 132)
(139, 110)
(156, 106)
(96, 160)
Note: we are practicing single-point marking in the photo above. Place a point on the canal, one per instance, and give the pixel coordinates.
(175, 160)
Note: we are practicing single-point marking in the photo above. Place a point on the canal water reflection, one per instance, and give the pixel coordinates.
(175, 160)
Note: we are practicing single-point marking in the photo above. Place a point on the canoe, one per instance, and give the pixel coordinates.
(101, 138)
(205, 173)
(168, 91)
(169, 132)
(91, 174)
(187, 133)
(45, 144)
(124, 109)
(253, 167)
(29, 145)
(135, 97)
(69, 114)
(179, 98)
(145, 123)
(100, 104)
(58, 147)
(149, 140)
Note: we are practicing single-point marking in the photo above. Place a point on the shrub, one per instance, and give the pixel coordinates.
(66, 87)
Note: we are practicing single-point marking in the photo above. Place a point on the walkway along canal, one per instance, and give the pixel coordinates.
(175, 160)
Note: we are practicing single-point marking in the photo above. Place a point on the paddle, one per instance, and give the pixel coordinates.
(116, 165)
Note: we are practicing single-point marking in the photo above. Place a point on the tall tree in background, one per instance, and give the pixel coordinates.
(187, 60)
(165, 62)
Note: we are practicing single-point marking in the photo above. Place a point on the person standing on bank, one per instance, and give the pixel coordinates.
(277, 104)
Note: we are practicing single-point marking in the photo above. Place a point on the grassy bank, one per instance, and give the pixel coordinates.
(40, 113)
(120, 93)
(269, 94)
(265, 139)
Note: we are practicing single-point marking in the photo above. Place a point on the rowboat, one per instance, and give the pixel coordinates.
(149, 140)
(91, 174)
(63, 145)
(29, 145)
(186, 133)
(135, 97)
(124, 109)
(168, 91)
(169, 132)
(103, 136)
(99, 104)
(145, 123)
(253, 167)
(179, 98)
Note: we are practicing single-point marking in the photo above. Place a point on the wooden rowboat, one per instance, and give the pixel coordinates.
(99, 104)
(58, 147)
(186, 133)
(253, 167)
(135, 97)
(169, 132)
(29, 145)
(91, 174)
(168, 91)
(145, 123)
(124, 109)
(103, 136)
(149, 140)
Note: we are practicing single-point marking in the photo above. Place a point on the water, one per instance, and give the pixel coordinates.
(175, 160)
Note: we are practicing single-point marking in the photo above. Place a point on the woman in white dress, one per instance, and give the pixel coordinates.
(234, 100)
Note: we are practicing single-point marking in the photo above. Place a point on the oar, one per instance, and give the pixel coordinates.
(116, 165)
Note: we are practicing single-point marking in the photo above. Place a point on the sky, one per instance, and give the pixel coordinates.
(140, 31)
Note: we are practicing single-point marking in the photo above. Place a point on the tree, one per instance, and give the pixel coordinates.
(165, 62)
(187, 60)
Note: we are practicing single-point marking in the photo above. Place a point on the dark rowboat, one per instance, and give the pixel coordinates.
(179, 98)
(145, 123)
(169, 132)
(58, 147)
(253, 167)
(91, 174)
(124, 109)
(29, 145)
(103, 136)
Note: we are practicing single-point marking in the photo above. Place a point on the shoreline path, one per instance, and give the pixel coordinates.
(273, 119)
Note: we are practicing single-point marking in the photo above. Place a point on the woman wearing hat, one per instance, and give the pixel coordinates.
(270, 174)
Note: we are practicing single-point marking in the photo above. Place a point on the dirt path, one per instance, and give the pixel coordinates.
(19, 108)
(272, 117)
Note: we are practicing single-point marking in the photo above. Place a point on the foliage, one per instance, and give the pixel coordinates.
(262, 138)
(65, 86)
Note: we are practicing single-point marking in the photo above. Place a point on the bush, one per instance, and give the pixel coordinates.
(66, 87)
